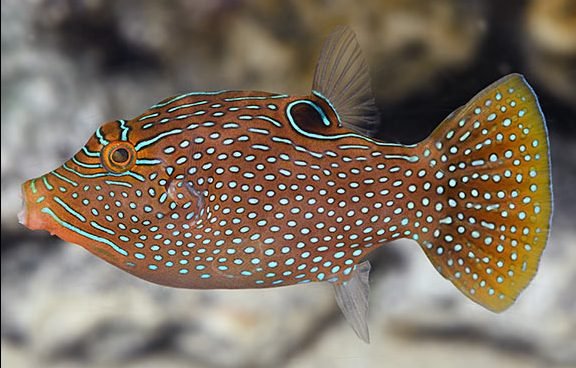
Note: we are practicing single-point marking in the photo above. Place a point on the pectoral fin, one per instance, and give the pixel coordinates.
(352, 298)
(190, 198)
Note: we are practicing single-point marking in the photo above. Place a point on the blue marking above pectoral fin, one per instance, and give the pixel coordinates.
(342, 80)
(310, 116)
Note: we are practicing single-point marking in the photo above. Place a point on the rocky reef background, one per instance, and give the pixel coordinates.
(69, 65)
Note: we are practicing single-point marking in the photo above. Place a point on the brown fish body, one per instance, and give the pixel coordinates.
(266, 204)
(236, 189)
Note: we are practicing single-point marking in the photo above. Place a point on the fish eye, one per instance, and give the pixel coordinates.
(118, 157)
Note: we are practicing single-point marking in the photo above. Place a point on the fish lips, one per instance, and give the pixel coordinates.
(31, 214)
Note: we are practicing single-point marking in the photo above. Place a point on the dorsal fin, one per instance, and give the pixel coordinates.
(342, 79)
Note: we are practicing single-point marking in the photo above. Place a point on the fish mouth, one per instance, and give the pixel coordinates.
(22, 214)
(30, 214)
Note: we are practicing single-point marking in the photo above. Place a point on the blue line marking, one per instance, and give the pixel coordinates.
(97, 175)
(275, 122)
(69, 209)
(335, 136)
(353, 146)
(260, 147)
(100, 175)
(175, 108)
(146, 161)
(150, 141)
(230, 99)
(90, 153)
(186, 95)
(132, 174)
(320, 95)
(83, 233)
(402, 157)
(282, 140)
(96, 225)
(48, 186)
(88, 166)
(125, 130)
(122, 183)
(259, 131)
(318, 109)
(153, 115)
(304, 149)
(62, 177)
(101, 139)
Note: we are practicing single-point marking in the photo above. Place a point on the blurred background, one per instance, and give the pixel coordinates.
(69, 65)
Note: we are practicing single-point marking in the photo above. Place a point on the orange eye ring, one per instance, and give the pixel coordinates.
(118, 157)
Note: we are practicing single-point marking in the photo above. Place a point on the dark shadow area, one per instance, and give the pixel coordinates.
(92, 33)
(467, 335)
(414, 117)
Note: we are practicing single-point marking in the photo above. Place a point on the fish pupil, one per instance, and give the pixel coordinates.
(120, 155)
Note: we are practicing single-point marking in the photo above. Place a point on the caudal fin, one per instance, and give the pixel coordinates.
(486, 215)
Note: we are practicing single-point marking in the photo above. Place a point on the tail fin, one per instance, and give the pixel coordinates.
(487, 219)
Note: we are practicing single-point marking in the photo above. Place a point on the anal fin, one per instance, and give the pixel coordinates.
(352, 298)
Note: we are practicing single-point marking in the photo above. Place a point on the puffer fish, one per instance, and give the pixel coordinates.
(248, 189)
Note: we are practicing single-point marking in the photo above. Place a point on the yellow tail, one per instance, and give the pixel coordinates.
(490, 193)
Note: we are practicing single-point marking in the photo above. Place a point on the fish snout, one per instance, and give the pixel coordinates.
(30, 214)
